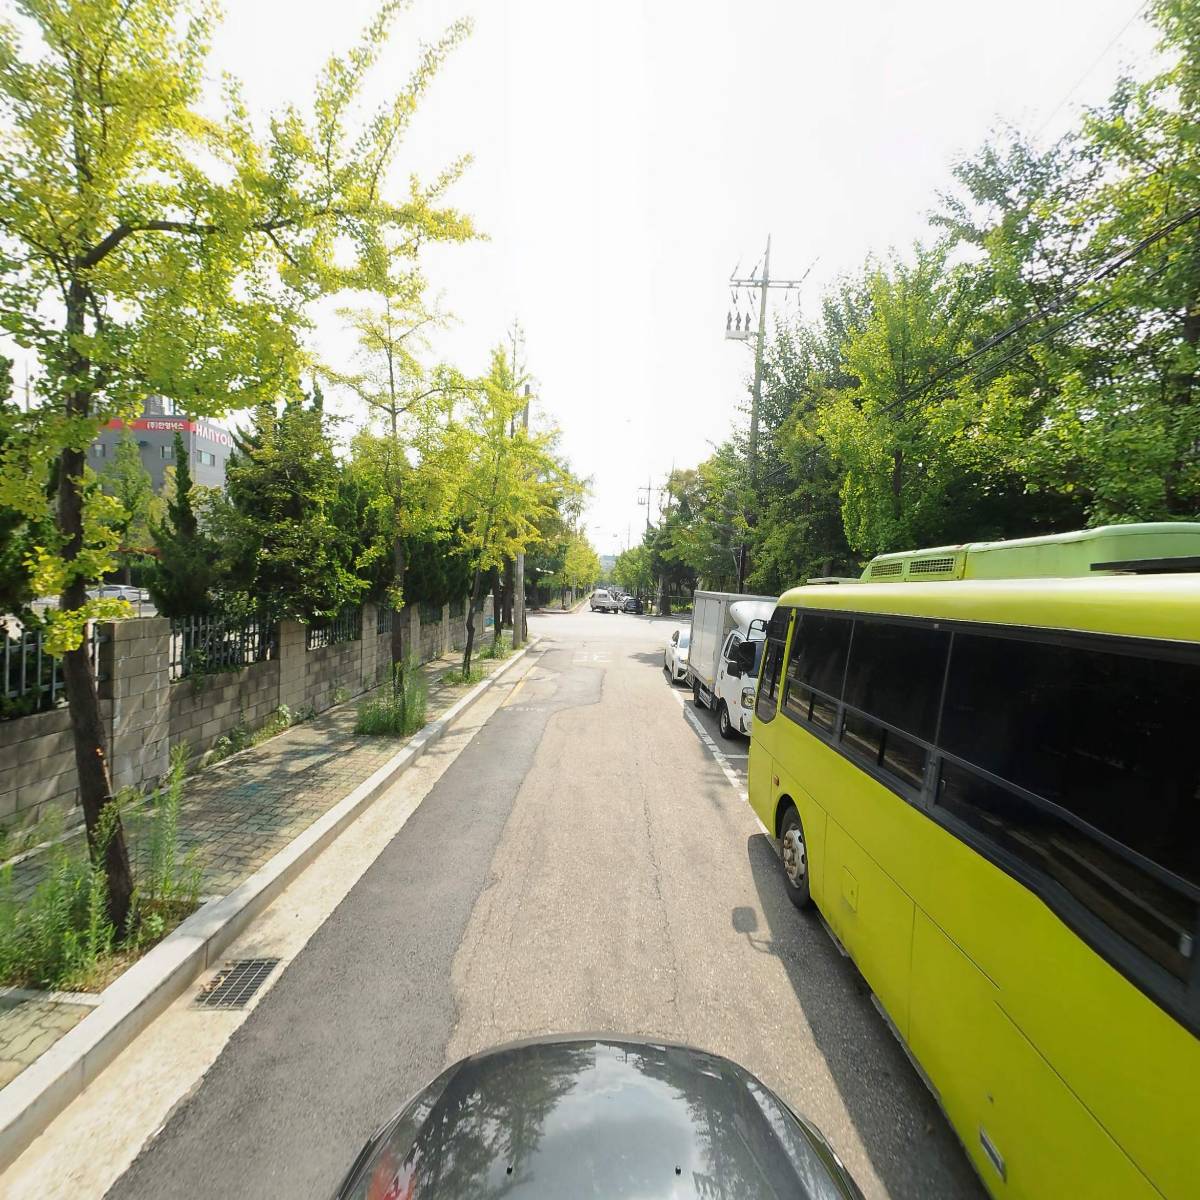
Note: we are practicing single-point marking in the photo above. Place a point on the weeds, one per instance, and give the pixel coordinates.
(459, 677)
(60, 937)
(497, 649)
(242, 737)
(400, 708)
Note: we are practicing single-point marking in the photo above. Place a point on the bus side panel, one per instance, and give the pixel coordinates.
(1131, 1064)
(760, 790)
(996, 1087)
(872, 917)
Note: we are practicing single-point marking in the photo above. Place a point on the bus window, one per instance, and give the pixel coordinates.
(896, 673)
(1101, 740)
(767, 701)
(819, 648)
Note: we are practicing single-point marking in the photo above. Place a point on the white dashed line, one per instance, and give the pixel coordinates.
(713, 748)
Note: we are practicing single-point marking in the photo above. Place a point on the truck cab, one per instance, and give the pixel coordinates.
(733, 692)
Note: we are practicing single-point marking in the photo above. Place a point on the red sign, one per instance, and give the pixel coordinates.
(172, 424)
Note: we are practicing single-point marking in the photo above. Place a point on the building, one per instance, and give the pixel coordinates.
(208, 446)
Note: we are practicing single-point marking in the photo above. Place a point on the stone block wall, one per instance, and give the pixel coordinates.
(37, 765)
(328, 668)
(210, 706)
(145, 713)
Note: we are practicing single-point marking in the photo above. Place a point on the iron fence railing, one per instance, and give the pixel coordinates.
(212, 643)
(458, 607)
(384, 620)
(32, 678)
(431, 614)
(345, 627)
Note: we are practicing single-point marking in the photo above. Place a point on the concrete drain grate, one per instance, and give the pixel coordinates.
(236, 982)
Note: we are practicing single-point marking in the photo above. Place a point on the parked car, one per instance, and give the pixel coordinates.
(721, 622)
(597, 1117)
(633, 604)
(675, 656)
(116, 591)
(604, 601)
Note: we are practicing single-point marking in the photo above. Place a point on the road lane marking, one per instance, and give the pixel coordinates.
(519, 685)
(713, 748)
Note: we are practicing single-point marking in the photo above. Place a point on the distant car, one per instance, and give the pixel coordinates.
(604, 601)
(675, 656)
(116, 591)
(597, 1117)
(632, 604)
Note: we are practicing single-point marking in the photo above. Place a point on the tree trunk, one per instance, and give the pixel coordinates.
(398, 566)
(83, 703)
(497, 607)
(510, 571)
(472, 607)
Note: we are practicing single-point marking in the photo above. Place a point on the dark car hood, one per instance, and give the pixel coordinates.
(597, 1117)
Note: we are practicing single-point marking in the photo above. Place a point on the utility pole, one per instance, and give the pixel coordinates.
(646, 496)
(736, 331)
(519, 630)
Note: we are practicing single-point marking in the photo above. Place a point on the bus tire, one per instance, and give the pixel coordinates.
(793, 854)
(723, 722)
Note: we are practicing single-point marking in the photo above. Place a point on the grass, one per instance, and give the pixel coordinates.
(460, 677)
(399, 710)
(497, 650)
(61, 937)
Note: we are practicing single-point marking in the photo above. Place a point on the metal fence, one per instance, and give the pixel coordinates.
(458, 607)
(345, 627)
(431, 614)
(384, 620)
(32, 678)
(203, 644)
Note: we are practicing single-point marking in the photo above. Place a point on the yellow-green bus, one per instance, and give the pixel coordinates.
(990, 787)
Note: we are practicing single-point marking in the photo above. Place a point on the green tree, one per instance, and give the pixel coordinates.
(149, 249)
(510, 480)
(282, 553)
(129, 483)
(409, 407)
(183, 574)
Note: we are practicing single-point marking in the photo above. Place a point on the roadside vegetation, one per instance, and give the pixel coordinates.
(399, 709)
(62, 937)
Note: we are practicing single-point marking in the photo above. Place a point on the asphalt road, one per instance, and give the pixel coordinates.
(584, 864)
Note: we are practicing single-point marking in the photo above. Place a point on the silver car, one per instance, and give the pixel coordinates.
(604, 601)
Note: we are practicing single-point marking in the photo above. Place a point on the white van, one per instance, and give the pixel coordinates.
(604, 601)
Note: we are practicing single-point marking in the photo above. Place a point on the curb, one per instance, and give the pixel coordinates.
(36, 1096)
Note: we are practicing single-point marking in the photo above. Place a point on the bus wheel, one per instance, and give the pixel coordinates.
(795, 858)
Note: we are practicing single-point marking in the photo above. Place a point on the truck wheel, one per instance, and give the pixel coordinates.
(696, 700)
(794, 854)
(723, 722)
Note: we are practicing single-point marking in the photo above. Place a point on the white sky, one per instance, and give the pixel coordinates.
(629, 153)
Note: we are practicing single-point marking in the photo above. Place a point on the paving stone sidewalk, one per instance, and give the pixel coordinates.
(236, 815)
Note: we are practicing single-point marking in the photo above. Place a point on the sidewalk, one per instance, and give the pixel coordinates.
(237, 815)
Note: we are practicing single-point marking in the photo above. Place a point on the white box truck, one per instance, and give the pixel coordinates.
(721, 621)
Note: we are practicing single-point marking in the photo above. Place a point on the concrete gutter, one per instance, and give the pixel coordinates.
(36, 1096)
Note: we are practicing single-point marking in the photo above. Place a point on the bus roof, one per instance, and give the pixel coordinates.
(1105, 548)
(1155, 606)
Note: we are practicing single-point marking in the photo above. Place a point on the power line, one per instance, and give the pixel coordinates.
(1110, 267)
(1091, 67)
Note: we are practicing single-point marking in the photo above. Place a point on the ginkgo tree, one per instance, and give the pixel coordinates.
(510, 480)
(150, 245)
(406, 445)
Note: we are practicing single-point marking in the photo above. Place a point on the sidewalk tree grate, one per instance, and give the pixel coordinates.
(236, 982)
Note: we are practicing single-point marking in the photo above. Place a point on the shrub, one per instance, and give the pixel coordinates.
(399, 709)
(501, 649)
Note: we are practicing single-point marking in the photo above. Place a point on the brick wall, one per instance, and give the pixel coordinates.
(145, 713)
(208, 707)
